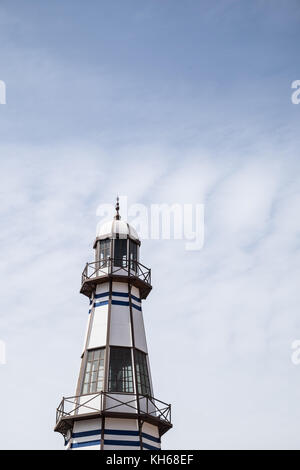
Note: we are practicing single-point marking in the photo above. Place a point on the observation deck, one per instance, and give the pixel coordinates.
(115, 405)
(120, 270)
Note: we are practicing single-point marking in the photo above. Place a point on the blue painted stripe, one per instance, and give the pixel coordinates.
(116, 442)
(85, 444)
(125, 304)
(121, 432)
(99, 296)
(151, 438)
(91, 305)
(99, 304)
(147, 446)
(86, 433)
(125, 294)
(120, 302)
(116, 302)
(120, 294)
(137, 307)
(117, 294)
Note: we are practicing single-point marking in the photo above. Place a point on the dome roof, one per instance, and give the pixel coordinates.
(114, 227)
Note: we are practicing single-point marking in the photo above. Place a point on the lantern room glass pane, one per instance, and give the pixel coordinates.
(94, 371)
(120, 370)
(120, 253)
(104, 252)
(133, 249)
(142, 375)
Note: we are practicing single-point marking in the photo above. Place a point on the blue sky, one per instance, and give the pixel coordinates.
(165, 102)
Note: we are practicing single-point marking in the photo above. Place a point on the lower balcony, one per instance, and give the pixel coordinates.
(115, 405)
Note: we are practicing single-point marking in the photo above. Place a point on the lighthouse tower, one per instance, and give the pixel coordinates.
(114, 407)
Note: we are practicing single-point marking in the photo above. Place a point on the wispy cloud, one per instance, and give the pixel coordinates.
(162, 103)
(235, 311)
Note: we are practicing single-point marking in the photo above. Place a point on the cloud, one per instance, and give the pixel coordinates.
(186, 112)
(218, 321)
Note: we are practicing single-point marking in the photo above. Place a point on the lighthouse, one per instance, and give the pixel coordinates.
(114, 407)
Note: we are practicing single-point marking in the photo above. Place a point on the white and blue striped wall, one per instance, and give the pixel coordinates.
(120, 328)
(118, 434)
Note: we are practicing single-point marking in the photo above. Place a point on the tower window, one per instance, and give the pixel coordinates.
(120, 254)
(142, 376)
(104, 252)
(120, 370)
(94, 371)
(133, 254)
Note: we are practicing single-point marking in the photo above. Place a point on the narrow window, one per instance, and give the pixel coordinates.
(120, 370)
(120, 255)
(94, 372)
(142, 376)
(104, 252)
(133, 255)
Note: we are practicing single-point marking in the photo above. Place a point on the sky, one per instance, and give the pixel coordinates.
(161, 102)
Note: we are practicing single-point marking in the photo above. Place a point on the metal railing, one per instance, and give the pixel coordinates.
(121, 267)
(106, 402)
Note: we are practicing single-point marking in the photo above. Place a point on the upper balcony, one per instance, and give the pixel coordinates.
(121, 270)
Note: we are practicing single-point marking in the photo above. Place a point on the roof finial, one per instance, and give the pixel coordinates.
(117, 216)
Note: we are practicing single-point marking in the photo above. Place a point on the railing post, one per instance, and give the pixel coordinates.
(85, 273)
